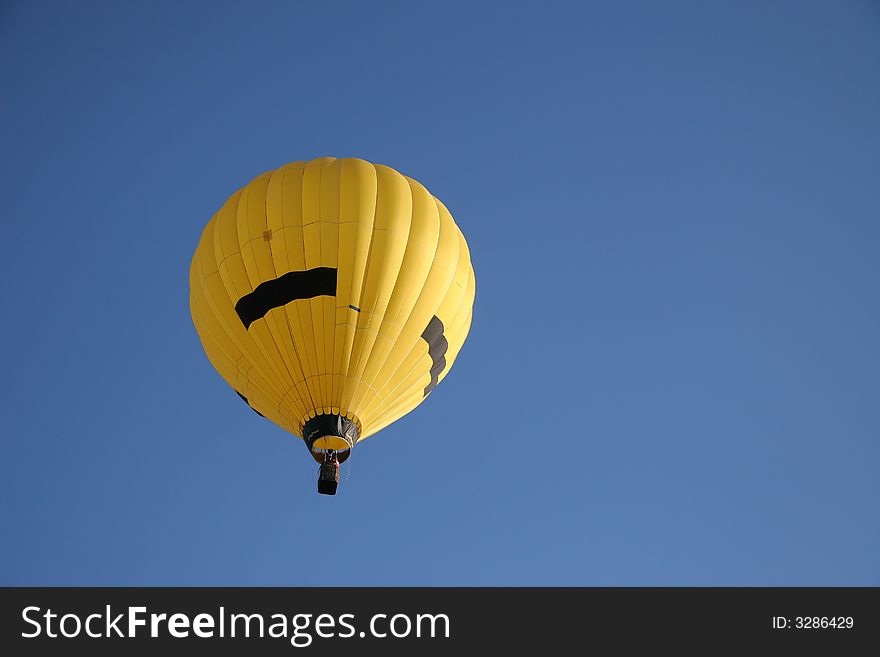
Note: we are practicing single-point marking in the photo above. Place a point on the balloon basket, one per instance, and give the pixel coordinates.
(328, 478)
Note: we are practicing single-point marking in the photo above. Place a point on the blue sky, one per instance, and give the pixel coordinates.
(673, 373)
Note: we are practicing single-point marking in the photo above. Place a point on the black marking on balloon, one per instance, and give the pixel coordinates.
(354, 308)
(280, 291)
(249, 404)
(437, 347)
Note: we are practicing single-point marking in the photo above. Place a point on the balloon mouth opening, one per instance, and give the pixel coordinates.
(327, 443)
(328, 432)
(319, 454)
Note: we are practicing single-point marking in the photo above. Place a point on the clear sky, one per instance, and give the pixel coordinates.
(673, 374)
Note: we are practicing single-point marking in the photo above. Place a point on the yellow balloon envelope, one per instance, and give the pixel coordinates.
(332, 295)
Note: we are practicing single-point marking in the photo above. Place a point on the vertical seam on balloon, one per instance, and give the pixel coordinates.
(357, 325)
(282, 410)
(435, 309)
(318, 318)
(218, 343)
(412, 220)
(259, 344)
(286, 410)
(313, 394)
(378, 384)
(336, 379)
(274, 324)
(365, 352)
(326, 391)
(249, 343)
(404, 394)
(295, 310)
(294, 357)
(286, 407)
(305, 366)
(455, 327)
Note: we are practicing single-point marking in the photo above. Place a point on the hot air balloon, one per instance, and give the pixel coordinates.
(333, 296)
